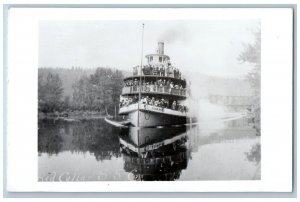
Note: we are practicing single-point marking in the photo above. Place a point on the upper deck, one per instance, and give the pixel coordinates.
(157, 77)
(158, 66)
(180, 80)
(156, 90)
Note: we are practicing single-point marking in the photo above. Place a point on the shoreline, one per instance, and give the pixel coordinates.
(71, 116)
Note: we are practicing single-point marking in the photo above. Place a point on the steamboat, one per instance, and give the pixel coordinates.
(156, 94)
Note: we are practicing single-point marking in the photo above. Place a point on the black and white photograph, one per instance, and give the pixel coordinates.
(148, 100)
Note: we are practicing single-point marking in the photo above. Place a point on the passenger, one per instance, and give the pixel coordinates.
(126, 101)
(156, 70)
(144, 86)
(171, 87)
(135, 82)
(180, 108)
(152, 101)
(161, 70)
(121, 103)
(168, 82)
(167, 70)
(158, 103)
(173, 105)
(135, 99)
(151, 69)
(148, 99)
(147, 87)
(163, 103)
(144, 100)
(154, 88)
(148, 70)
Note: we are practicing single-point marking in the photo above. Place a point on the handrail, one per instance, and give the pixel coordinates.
(169, 74)
(133, 106)
(182, 78)
(154, 89)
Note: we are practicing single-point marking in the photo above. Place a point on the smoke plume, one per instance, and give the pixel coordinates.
(174, 35)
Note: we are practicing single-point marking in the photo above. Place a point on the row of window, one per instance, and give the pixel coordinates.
(160, 59)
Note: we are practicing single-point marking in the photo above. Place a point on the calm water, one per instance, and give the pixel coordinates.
(93, 151)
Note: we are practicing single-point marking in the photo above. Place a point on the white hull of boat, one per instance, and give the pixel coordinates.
(151, 116)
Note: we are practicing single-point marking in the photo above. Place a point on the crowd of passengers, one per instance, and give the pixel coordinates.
(158, 83)
(164, 103)
(159, 70)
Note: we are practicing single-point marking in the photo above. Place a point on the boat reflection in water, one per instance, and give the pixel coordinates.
(90, 151)
(155, 153)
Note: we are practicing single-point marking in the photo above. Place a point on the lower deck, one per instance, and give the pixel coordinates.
(149, 108)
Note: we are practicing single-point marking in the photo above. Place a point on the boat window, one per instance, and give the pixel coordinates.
(160, 59)
(151, 58)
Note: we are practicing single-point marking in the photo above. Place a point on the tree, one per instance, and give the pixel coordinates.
(252, 54)
(66, 102)
(98, 91)
(117, 77)
(50, 93)
(80, 93)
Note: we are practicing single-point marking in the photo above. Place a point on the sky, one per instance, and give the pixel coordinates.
(209, 47)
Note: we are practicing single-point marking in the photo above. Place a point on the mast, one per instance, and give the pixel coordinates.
(140, 83)
(140, 86)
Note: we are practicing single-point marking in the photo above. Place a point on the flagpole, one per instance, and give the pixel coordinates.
(138, 116)
(140, 83)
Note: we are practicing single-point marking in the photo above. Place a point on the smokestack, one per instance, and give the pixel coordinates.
(160, 49)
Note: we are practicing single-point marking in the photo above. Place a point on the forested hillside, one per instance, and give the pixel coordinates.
(68, 76)
(78, 89)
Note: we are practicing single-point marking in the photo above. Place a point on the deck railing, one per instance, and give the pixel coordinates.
(154, 89)
(154, 72)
